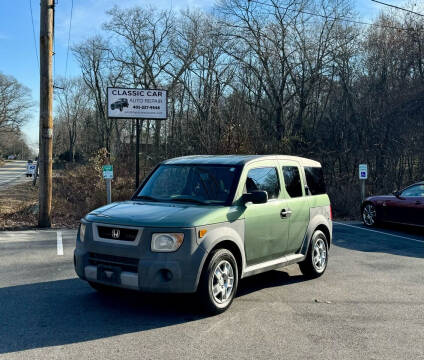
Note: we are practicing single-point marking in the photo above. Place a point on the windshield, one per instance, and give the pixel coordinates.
(198, 184)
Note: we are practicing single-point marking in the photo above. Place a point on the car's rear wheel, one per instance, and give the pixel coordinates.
(219, 281)
(369, 215)
(316, 259)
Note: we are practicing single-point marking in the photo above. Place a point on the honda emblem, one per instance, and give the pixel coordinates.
(116, 233)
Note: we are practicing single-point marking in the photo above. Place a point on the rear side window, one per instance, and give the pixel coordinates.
(315, 180)
(263, 179)
(292, 181)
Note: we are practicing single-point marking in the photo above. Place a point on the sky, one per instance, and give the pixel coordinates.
(17, 49)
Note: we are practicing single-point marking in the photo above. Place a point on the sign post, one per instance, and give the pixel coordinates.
(123, 103)
(108, 176)
(363, 175)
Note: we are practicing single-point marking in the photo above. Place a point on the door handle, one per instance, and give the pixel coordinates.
(285, 213)
(418, 202)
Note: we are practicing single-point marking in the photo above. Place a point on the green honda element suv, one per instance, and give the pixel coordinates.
(199, 224)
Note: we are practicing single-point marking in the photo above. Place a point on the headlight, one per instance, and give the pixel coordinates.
(166, 242)
(82, 232)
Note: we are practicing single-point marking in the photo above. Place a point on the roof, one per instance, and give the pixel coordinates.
(236, 159)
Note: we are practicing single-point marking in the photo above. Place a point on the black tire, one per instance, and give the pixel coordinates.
(104, 289)
(309, 266)
(369, 215)
(211, 303)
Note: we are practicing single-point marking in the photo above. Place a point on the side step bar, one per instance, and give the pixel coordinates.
(272, 264)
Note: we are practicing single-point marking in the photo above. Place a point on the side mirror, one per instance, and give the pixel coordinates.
(256, 197)
(396, 193)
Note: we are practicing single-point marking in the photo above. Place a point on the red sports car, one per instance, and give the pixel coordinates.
(404, 207)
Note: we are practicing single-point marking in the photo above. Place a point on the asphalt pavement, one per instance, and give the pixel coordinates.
(12, 173)
(368, 305)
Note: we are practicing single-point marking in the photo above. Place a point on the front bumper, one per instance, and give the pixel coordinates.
(138, 267)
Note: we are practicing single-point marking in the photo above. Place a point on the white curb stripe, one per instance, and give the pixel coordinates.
(59, 243)
(381, 232)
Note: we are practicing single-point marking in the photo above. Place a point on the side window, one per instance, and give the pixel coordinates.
(292, 181)
(315, 180)
(263, 179)
(414, 191)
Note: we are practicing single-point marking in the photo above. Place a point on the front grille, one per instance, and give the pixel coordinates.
(125, 263)
(112, 233)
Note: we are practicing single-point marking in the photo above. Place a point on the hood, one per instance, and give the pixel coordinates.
(140, 213)
(380, 197)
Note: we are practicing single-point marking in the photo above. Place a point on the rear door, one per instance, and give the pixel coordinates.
(297, 203)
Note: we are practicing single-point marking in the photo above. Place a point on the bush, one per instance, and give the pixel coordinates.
(80, 189)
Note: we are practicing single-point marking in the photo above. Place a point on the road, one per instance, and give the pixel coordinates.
(368, 305)
(12, 173)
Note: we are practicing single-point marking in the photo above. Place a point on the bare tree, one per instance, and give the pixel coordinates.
(73, 102)
(15, 101)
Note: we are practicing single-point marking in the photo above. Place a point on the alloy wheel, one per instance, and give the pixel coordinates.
(319, 256)
(222, 282)
(369, 214)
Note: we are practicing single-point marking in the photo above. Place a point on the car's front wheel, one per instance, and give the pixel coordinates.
(316, 259)
(369, 215)
(219, 281)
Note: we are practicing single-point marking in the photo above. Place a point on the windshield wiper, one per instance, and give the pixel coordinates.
(187, 199)
(146, 197)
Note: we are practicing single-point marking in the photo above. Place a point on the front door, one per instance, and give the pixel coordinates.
(266, 232)
(413, 199)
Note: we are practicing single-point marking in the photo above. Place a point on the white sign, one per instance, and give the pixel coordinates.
(137, 103)
(363, 171)
(107, 171)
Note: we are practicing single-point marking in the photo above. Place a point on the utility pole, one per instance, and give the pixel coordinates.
(46, 108)
(137, 154)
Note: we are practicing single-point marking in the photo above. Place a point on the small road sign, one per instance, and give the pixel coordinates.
(363, 171)
(107, 171)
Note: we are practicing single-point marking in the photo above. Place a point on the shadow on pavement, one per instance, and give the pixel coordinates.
(69, 311)
(268, 279)
(380, 239)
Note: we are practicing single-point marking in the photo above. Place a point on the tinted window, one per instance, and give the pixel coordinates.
(414, 191)
(315, 180)
(263, 179)
(292, 181)
(208, 184)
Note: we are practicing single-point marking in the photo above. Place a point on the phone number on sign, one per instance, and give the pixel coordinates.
(145, 107)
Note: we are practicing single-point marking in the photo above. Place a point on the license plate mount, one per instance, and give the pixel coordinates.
(109, 274)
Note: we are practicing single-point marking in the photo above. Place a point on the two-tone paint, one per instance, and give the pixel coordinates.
(258, 235)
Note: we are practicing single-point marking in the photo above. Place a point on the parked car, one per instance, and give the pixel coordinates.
(11, 157)
(201, 223)
(120, 104)
(403, 207)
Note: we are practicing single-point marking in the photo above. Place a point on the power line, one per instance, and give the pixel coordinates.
(33, 33)
(69, 39)
(397, 7)
(330, 17)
